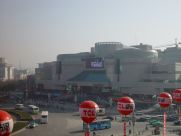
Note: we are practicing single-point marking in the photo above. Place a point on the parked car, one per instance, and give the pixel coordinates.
(141, 119)
(109, 117)
(177, 123)
(172, 118)
(138, 113)
(152, 121)
(19, 106)
(32, 124)
(157, 124)
(101, 112)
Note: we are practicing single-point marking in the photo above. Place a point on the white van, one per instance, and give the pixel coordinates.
(33, 109)
(44, 117)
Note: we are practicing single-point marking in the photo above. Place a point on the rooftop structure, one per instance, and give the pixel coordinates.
(103, 49)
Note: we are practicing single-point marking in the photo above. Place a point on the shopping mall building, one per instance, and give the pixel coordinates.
(112, 68)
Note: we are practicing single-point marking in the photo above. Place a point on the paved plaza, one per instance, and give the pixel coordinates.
(70, 124)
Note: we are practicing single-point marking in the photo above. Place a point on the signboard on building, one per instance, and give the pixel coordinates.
(94, 63)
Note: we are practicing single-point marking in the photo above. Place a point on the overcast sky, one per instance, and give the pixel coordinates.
(34, 31)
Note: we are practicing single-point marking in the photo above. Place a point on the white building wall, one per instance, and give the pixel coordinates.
(5, 73)
(109, 65)
(133, 72)
(10, 73)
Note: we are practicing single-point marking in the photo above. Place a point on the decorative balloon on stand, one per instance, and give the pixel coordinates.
(88, 110)
(164, 100)
(6, 123)
(125, 106)
(177, 95)
(177, 98)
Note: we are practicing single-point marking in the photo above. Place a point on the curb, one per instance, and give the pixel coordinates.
(21, 130)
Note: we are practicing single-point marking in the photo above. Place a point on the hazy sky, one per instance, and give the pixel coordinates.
(34, 31)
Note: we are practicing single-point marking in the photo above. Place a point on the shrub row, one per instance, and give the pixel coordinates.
(19, 125)
(21, 115)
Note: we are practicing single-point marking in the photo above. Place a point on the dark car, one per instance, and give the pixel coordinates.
(141, 120)
(170, 119)
(177, 122)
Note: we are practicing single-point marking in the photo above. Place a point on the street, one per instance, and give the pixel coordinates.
(68, 124)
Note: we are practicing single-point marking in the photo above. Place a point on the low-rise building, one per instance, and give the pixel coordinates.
(20, 74)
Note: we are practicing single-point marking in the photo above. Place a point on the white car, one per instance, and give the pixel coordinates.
(32, 124)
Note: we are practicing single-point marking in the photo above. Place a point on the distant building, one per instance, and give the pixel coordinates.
(45, 75)
(2, 60)
(6, 70)
(31, 85)
(20, 74)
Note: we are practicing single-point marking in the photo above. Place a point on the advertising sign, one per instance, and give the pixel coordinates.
(125, 105)
(94, 63)
(85, 112)
(88, 110)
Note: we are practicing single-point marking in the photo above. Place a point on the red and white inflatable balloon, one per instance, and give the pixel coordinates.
(88, 110)
(177, 95)
(125, 105)
(164, 100)
(6, 123)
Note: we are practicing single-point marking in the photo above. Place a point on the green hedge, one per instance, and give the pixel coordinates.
(19, 125)
(23, 116)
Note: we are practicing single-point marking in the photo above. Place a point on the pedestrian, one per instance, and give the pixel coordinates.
(94, 133)
(146, 128)
(129, 123)
(129, 131)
